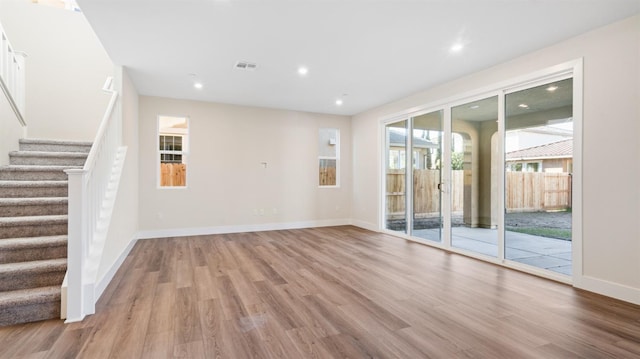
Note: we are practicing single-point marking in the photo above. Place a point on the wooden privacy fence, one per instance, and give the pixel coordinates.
(173, 174)
(327, 176)
(537, 191)
(525, 192)
(426, 199)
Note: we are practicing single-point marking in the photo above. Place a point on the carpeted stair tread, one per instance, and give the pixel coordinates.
(27, 144)
(35, 172)
(29, 189)
(32, 201)
(34, 183)
(29, 296)
(30, 220)
(47, 154)
(33, 274)
(36, 168)
(25, 249)
(33, 226)
(39, 158)
(30, 305)
(47, 265)
(7, 244)
(33, 206)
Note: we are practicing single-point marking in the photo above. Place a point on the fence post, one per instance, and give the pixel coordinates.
(76, 245)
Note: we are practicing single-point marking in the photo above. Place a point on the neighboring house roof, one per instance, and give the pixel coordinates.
(398, 139)
(560, 149)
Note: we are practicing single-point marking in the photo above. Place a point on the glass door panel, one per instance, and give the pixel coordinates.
(538, 174)
(427, 176)
(474, 173)
(395, 173)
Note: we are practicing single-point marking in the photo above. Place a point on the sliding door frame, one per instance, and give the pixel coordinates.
(571, 69)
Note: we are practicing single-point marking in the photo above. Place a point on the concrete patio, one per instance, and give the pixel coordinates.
(542, 252)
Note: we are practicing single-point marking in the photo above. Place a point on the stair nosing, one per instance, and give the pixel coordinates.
(37, 168)
(33, 183)
(26, 201)
(54, 142)
(30, 220)
(48, 154)
(31, 242)
(43, 265)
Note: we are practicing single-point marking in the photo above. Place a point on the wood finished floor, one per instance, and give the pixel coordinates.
(328, 293)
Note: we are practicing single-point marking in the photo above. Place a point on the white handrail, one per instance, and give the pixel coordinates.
(87, 192)
(12, 76)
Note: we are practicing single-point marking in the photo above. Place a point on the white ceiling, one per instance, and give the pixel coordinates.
(367, 52)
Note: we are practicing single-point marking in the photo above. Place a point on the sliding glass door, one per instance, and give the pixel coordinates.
(395, 176)
(538, 176)
(427, 149)
(474, 174)
(492, 177)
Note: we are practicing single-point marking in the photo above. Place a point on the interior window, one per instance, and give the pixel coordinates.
(328, 157)
(173, 135)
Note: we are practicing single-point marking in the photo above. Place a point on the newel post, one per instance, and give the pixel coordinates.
(76, 245)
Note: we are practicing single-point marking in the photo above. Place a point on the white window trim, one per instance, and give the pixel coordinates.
(184, 152)
(336, 158)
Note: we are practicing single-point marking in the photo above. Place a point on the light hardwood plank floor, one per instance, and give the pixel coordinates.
(338, 292)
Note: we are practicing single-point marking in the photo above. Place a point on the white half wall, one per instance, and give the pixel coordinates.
(66, 67)
(124, 222)
(611, 150)
(227, 184)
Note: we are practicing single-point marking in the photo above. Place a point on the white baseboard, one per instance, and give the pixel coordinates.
(609, 289)
(199, 231)
(366, 225)
(103, 282)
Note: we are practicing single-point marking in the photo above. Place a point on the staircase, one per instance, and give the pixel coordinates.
(33, 228)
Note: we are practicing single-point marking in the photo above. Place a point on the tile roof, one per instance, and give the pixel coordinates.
(560, 149)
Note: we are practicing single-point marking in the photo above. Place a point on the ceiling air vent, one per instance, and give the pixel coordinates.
(245, 65)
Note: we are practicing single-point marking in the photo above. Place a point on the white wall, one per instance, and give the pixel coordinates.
(65, 69)
(10, 130)
(124, 223)
(226, 182)
(611, 203)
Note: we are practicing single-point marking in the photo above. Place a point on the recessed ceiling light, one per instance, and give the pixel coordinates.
(523, 105)
(303, 70)
(197, 85)
(457, 47)
(552, 88)
(475, 107)
(339, 102)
